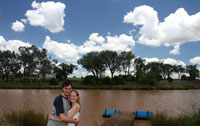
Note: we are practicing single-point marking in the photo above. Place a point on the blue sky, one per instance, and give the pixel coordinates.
(167, 30)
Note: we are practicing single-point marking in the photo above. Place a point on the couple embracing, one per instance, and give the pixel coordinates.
(66, 107)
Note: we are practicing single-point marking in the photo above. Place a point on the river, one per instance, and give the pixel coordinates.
(173, 102)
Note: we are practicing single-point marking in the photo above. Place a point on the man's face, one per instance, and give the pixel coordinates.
(67, 90)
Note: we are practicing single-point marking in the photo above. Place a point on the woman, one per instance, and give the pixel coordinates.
(74, 112)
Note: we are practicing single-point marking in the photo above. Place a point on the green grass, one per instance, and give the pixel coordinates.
(161, 119)
(77, 84)
(24, 118)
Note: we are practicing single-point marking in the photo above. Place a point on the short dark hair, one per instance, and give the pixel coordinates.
(66, 83)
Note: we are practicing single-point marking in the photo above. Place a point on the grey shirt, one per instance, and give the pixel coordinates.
(60, 105)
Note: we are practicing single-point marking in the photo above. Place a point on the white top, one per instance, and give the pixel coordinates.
(76, 116)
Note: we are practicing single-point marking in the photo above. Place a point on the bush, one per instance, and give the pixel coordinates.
(149, 78)
(106, 80)
(91, 80)
(118, 80)
(183, 77)
(25, 118)
(170, 80)
(53, 81)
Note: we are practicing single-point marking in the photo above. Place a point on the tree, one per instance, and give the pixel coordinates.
(45, 68)
(125, 61)
(111, 59)
(179, 70)
(31, 58)
(10, 64)
(94, 63)
(156, 68)
(66, 69)
(168, 69)
(139, 67)
(193, 71)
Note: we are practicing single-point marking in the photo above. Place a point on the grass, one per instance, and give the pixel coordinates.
(77, 84)
(24, 118)
(161, 119)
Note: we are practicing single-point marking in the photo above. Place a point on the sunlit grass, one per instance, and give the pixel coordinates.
(24, 118)
(161, 119)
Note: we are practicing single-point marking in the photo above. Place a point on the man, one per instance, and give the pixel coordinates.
(61, 106)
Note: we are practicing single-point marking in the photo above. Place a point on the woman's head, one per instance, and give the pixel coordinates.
(74, 97)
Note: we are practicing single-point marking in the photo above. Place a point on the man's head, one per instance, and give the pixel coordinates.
(67, 88)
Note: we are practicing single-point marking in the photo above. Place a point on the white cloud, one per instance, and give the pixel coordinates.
(49, 15)
(176, 50)
(65, 51)
(119, 43)
(18, 26)
(12, 45)
(176, 29)
(166, 61)
(114, 43)
(195, 60)
(70, 52)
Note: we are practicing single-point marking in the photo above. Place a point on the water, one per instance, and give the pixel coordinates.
(173, 102)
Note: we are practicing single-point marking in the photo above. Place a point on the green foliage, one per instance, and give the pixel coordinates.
(189, 119)
(118, 80)
(53, 81)
(170, 80)
(183, 77)
(90, 80)
(193, 71)
(25, 118)
(105, 80)
(149, 78)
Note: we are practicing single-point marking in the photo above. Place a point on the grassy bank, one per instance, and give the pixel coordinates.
(24, 118)
(161, 119)
(77, 84)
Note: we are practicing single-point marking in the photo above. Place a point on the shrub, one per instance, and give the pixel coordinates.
(170, 80)
(183, 77)
(53, 81)
(91, 80)
(149, 78)
(25, 118)
(118, 80)
(106, 80)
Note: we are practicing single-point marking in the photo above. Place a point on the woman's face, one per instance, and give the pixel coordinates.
(73, 97)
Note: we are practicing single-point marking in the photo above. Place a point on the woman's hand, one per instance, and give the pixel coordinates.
(77, 121)
(50, 117)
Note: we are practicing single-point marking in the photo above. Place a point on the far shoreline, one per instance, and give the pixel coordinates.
(163, 85)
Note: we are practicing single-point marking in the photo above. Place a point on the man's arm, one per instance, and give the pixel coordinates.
(67, 119)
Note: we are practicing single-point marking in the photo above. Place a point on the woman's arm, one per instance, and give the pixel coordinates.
(74, 110)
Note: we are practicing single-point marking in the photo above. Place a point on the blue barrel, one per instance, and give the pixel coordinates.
(109, 112)
(144, 114)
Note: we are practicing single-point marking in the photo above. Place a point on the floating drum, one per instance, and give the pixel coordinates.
(144, 114)
(109, 112)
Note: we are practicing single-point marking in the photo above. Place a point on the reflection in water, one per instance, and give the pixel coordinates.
(174, 102)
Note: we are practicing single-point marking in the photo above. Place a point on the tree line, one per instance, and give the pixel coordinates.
(98, 62)
(31, 63)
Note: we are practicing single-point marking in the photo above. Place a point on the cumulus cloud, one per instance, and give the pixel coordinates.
(166, 61)
(12, 45)
(49, 15)
(195, 60)
(18, 26)
(65, 51)
(70, 52)
(176, 29)
(114, 43)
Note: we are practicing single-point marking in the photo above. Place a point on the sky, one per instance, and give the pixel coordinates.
(156, 30)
